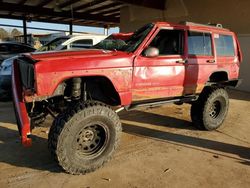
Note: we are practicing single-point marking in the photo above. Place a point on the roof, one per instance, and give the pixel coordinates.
(103, 13)
(192, 25)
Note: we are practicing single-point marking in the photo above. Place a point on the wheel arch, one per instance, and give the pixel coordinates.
(219, 76)
(98, 86)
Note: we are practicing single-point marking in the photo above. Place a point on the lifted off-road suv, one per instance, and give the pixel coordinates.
(83, 90)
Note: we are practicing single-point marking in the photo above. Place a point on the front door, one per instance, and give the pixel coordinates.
(161, 76)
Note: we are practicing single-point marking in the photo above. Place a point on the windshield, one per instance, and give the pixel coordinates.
(129, 45)
(52, 45)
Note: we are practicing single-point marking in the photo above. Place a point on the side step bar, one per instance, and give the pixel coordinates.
(161, 102)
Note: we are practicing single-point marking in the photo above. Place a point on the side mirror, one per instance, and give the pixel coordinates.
(151, 52)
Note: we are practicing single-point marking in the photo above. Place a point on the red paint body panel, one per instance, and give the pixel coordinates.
(134, 76)
(116, 66)
(157, 77)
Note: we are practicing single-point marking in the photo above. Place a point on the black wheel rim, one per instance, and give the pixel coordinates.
(215, 109)
(91, 140)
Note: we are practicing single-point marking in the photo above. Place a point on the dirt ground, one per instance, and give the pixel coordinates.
(159, 148)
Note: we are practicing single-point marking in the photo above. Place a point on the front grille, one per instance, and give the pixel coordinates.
(26, 68)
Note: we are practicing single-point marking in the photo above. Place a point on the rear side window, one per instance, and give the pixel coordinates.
(28, 49)
(83, 43)
(199, 43)
(224, 45)
(16, 48)
(3, 48)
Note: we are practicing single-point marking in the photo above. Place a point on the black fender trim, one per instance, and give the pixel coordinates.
(232, 83)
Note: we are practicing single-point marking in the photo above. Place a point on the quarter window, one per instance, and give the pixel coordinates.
(224, 45)
(199, 44)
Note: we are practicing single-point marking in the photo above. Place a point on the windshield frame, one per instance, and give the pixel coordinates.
(139, 37)
(147, 29)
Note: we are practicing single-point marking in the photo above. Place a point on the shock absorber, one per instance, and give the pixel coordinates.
(76, 88)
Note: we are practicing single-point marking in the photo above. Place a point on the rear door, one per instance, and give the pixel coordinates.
(201, 61)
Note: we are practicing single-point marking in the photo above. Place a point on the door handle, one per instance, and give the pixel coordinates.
(182, 61)
(211, 61)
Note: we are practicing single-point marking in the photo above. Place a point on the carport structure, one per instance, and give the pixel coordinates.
(99, 13)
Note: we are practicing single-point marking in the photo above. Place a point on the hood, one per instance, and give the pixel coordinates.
(69, 54)
(80, 60)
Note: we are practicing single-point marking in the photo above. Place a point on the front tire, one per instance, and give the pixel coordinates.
(84, 137)
(210, 110)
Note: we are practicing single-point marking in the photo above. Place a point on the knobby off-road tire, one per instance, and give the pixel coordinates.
(84, 137)
(210, 110)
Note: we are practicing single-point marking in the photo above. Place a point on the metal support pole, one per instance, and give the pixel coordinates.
(25, 31)
(71, 28)
(106, 30)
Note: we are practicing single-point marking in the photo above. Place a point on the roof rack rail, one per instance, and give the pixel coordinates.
(198, 24)
(216, 25)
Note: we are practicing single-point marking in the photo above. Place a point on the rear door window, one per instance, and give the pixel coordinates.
(224, 45)
(199, 44)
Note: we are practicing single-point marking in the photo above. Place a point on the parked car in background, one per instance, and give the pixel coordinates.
(72, 42)
(10, 49)
(5, 79)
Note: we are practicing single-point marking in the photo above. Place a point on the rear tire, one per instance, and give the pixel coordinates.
(210, 110)
(84, 137)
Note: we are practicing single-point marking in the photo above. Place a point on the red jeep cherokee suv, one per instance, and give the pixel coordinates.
(83, 90)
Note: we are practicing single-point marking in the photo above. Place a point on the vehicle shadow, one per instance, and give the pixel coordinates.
(157, 120)
(36, 157)
(239, 95)
(196, 143)
(7, 114)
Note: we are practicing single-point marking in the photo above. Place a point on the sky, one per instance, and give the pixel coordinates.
(53, 26)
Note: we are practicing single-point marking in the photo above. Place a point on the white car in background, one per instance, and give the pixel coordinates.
(72, 42)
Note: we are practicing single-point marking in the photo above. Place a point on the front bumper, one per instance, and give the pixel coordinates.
(23, 121)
